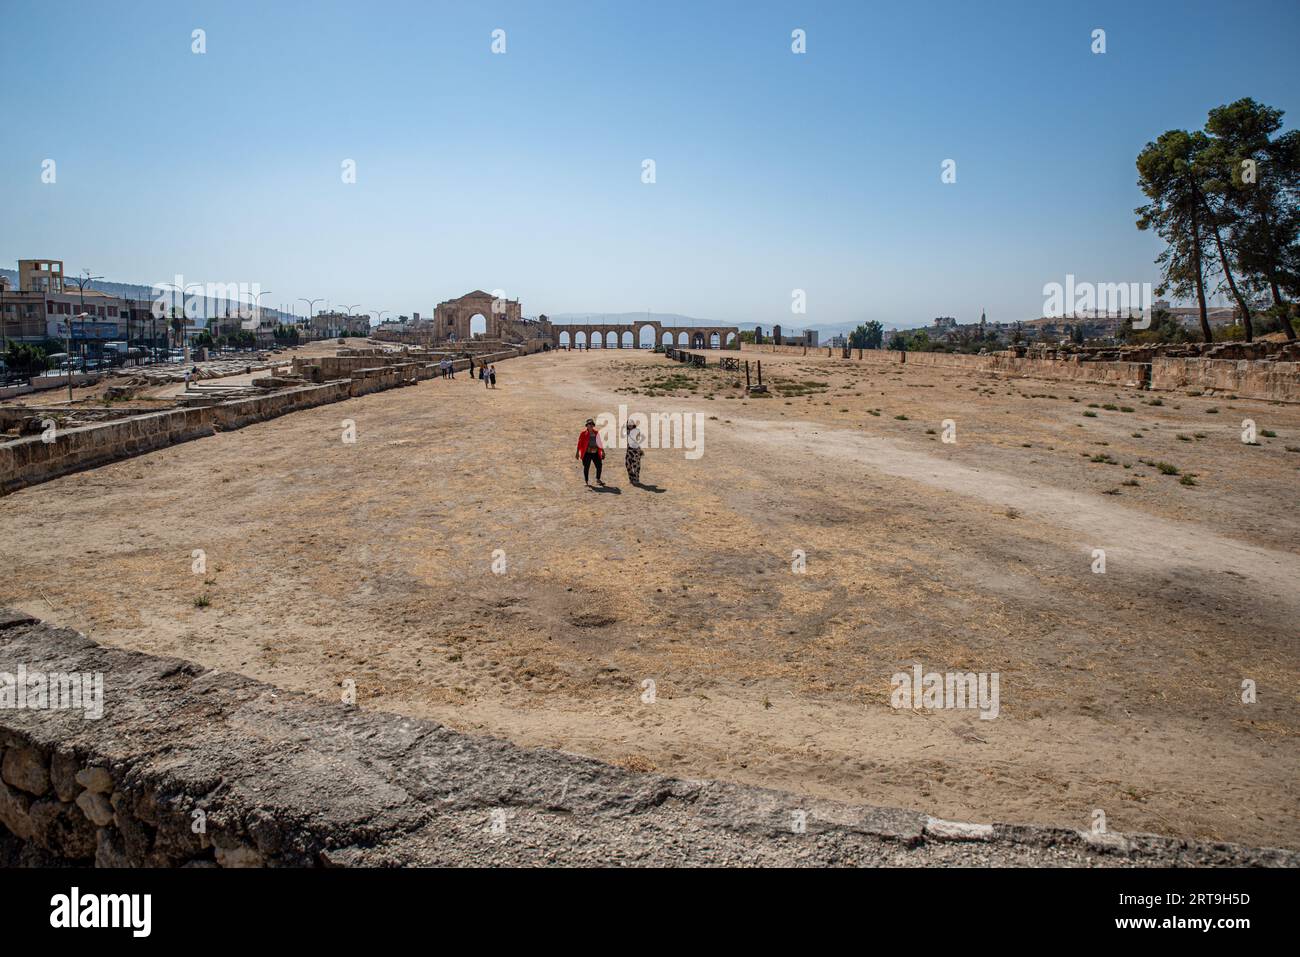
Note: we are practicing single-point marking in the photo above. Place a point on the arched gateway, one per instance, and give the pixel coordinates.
(452, 319)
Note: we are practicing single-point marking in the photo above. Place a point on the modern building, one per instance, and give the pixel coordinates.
(47, 308)
(325, 325)
(40, 275)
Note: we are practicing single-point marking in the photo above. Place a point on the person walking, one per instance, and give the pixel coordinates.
(635, 450)
(492, 375)
(590, 450)
(482, 375)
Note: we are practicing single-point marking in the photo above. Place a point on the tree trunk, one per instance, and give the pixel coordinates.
(1274, 258)
(1200, 281)
(1236, 294)
(1285, 306)
(1227, 267)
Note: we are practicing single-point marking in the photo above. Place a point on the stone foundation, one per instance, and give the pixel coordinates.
(31, 460)
(1268, 379)
(195, 768)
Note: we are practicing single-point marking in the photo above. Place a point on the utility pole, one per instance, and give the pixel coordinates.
(311, 303)
(81, 281)
(257, 313)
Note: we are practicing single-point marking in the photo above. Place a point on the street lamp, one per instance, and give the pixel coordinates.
(81, 282)
(257, 311)
(310, 305)
(185, 342)
(68, 370)
(355, 305)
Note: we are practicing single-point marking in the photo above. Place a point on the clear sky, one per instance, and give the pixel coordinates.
(523, 171)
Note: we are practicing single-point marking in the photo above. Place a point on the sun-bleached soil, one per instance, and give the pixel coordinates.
(372, 562)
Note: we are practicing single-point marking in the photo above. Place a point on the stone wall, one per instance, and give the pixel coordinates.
(1249, 379)
(195, 768)
(30, 460)
(60, 381)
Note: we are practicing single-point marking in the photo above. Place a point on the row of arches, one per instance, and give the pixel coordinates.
(644, 339)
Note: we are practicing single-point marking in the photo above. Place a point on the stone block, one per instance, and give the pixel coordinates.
(25, 768)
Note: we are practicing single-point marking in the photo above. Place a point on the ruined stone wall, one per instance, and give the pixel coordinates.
(196, 768)
(30, 460)
(1249, 379)
(27, 461)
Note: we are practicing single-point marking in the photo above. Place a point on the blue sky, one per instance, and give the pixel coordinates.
(522, 171)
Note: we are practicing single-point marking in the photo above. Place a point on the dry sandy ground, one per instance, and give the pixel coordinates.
(373, 562)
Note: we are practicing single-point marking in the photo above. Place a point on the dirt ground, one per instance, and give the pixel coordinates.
(373, 562)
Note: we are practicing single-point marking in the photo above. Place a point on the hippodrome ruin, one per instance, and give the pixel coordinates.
(501, 321)
(372, 566)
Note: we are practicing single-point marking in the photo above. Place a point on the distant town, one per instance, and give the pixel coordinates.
(53, 320)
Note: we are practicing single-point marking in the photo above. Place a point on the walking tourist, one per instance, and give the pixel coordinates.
(492, 375)
(635, 450)
(590, 450)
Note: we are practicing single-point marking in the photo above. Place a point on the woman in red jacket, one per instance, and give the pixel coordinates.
(590, 449)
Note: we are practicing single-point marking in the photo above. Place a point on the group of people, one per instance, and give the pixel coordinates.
(591, 451)
(487, 374)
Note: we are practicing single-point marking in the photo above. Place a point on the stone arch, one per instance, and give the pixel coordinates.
(580, 338)
(564, 338)
(715, 341)
(683, 338)
(731, 337)
(478, 325)
(697, 339)
(667, 338)
(611, 339)
(642, 340)
(626, 340)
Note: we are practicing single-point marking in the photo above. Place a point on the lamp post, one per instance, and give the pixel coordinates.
(355, 305)
(257, 311)
(81, 282)
(310, 305)
(68, 371)
(185, 342)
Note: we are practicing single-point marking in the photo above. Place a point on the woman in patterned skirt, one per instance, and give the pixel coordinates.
(635, 443)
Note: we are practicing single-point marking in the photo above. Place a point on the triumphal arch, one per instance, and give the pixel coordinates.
(451, 319)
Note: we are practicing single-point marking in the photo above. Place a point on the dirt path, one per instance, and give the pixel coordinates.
(373, 562)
